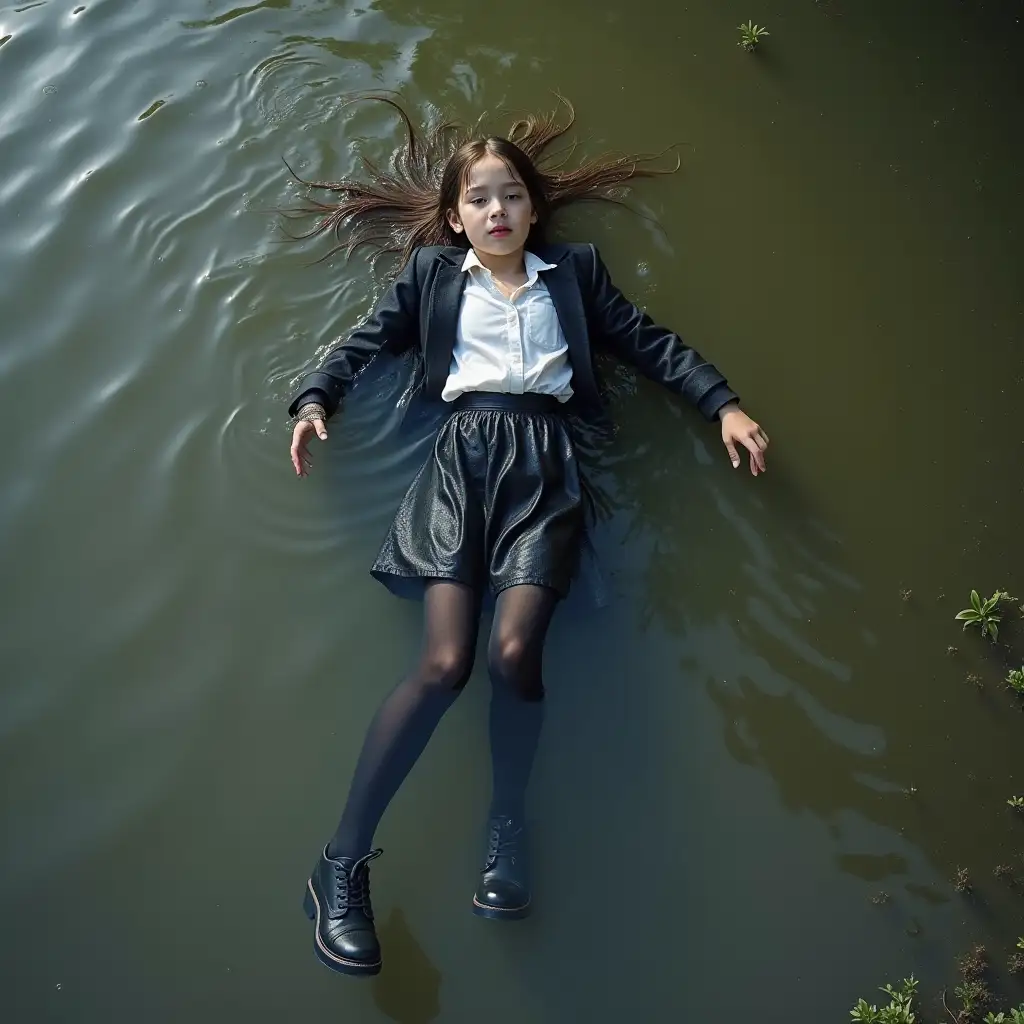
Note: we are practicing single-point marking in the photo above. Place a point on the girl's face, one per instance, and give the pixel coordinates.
(494, 208)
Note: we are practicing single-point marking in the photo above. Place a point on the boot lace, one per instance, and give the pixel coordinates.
(503, 841)
(352, 886)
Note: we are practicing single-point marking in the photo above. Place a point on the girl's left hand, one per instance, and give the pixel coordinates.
(739, 428)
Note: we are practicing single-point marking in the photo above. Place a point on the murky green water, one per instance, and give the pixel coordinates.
(191, 644)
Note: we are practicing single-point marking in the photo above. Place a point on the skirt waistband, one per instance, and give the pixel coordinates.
(500, 402)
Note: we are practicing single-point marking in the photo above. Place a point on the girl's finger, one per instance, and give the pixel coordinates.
(764, 436)
(734, 456)
(755, 452)
(761, 442)
(321, 430)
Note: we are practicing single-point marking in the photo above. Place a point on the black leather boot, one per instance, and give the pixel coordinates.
(504, 890)
(338, 900)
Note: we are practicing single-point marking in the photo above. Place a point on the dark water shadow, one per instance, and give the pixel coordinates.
(408, 990)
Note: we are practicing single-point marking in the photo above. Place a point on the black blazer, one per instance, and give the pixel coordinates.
(421, 312)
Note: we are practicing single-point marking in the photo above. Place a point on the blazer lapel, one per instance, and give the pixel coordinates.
(442, 322)
(564, 289)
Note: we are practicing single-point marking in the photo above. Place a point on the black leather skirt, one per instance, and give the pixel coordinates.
(497, 503)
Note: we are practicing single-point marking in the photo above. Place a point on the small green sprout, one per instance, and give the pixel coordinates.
(983, 614)
(1017, 803)
(1015, 681)
(751, 35)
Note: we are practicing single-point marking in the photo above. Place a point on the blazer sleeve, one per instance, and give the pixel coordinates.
(391, 327)
(656, 352)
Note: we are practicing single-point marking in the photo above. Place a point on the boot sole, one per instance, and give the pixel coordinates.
(500, 913)
(332, 961)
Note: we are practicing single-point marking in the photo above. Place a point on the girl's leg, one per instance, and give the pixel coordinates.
(337, 894)
(514, 656)
(406, 720)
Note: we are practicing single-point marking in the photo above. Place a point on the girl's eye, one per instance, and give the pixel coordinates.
(513, 195)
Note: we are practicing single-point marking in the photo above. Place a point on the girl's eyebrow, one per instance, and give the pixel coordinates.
(504, 184)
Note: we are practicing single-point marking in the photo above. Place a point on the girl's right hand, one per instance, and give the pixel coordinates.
(304, 430)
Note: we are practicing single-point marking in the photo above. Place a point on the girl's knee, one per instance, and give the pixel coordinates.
(507, 654)
(446, 668)
(511, 663)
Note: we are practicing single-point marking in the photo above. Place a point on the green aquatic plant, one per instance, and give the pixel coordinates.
(900, 1008)
(974, 997)
(983, 613)
(1016, 1016)
(1017, 803)
(751, 35)
(1015, 681)
(972, 993)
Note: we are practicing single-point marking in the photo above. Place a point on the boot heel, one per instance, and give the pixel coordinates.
(308, 905)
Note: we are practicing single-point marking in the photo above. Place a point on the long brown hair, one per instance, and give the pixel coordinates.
(405, 206)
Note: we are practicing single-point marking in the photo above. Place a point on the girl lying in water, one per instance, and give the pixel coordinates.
(504, 327)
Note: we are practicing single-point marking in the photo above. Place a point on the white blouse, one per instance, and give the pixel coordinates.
(511, 345)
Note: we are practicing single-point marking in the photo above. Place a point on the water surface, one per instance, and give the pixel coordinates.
(755, 737)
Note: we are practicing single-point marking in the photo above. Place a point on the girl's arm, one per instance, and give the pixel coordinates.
(664, 357)
(392, 326)
(656, 351)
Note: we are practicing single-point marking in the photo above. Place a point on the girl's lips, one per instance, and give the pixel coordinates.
(500, 231)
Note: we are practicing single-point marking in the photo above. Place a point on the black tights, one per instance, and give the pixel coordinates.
(406, 720)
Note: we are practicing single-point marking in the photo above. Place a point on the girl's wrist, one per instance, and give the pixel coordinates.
(311, 411)
(733, 406)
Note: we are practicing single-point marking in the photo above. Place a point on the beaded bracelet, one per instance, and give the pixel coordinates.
(311, 411)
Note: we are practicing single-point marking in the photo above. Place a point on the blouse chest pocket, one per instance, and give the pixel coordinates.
(545, 330)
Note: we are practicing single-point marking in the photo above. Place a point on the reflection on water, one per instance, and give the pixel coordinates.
(754, 738)
(780, 631)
